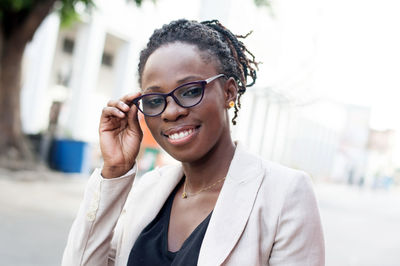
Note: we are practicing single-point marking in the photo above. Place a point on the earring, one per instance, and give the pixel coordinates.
(231, 104)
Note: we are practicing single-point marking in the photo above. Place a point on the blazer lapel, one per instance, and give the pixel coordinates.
(233, 208)
(145, 202)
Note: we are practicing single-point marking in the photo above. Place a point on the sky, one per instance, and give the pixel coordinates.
(358, 56)
(347, 51)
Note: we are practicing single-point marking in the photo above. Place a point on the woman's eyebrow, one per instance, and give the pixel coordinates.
(189, 78)
(178, 83)
(152, 89)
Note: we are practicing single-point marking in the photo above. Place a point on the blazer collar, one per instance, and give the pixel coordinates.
(227, 221)
(233, 207)
(151, 192)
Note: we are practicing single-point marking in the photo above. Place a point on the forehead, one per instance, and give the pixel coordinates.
(176, 61)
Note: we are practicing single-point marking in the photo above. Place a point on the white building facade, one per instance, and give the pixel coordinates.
(96, 60)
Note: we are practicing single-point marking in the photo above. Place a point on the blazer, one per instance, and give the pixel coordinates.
(266, 214)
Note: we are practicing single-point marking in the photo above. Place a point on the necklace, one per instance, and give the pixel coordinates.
(185, 194)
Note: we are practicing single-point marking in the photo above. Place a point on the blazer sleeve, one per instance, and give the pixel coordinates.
(90, 238)
(299, 238)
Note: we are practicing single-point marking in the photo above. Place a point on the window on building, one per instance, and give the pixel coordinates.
(68, 45)
(107, 59)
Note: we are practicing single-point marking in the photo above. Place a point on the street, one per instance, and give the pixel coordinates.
(361, 225)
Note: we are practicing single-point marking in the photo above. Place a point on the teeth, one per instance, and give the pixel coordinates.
(181, 134)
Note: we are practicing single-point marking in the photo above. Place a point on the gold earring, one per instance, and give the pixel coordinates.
(231, 104)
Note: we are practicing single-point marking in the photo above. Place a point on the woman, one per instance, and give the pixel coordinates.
(222, 205)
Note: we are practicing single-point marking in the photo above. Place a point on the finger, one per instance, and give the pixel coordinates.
(133, 115)
(133, 119)
(112, 103)
(118, 104)
(112, 112)
(123, 106)
(129, 97)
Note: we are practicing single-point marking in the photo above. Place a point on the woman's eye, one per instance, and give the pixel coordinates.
(153, 102)
(192, 92)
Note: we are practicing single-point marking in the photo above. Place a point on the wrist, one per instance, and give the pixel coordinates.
(109, 172)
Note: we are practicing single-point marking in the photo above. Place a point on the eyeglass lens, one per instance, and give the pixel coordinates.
(186, 96)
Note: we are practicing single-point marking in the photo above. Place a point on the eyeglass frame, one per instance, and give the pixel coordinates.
(203, 83)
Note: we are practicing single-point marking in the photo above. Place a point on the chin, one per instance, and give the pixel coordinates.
(184, 157)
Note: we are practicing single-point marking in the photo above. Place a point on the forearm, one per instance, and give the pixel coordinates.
(91, 233)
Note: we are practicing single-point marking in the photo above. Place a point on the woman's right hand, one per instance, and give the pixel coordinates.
(120, 136)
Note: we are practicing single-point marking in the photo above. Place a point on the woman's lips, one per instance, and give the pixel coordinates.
(181, 136)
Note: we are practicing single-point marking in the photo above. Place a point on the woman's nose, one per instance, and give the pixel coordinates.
(173, 111)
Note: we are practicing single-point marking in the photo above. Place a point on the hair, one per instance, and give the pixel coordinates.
(233, 58)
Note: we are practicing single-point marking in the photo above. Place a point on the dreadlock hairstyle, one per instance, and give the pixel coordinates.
(212, 37)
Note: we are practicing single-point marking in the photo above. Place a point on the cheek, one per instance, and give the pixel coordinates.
(215, 106)
(215, 114)
(152, 127)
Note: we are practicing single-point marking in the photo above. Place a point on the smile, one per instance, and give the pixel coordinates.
(180, 136)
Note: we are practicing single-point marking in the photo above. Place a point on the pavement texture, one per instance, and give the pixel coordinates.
(362, 226)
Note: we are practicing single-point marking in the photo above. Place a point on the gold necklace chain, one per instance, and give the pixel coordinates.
(185, 194)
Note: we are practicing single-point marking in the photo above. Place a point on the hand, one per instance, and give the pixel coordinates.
(120, 136)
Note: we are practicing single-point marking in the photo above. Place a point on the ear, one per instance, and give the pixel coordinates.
(230, 91)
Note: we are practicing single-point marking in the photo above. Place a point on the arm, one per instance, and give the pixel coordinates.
(89, 240)
(299, 238)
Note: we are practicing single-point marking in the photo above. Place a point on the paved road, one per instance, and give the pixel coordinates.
(35, 217)
(362, 227)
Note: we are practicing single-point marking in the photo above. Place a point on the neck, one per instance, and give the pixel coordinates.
(211, 167)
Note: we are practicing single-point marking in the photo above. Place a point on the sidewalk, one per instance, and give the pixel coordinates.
(362, 226)
(37, 209)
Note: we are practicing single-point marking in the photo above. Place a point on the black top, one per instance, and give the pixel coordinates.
(151, 247)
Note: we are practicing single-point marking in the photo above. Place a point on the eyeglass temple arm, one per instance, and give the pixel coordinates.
(214, 78)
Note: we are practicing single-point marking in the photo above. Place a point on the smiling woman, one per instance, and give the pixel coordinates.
(221, 205)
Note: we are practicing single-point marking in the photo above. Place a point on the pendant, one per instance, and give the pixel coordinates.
(184, 195)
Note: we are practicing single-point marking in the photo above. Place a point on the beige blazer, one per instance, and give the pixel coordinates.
(266, 214)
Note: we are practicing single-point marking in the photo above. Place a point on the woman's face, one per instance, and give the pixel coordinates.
(204, 127)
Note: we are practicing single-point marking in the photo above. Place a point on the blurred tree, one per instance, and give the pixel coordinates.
(19, 20)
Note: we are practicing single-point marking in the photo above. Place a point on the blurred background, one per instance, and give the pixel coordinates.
(325, 101)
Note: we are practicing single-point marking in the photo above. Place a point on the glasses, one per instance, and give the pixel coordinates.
(186, 95)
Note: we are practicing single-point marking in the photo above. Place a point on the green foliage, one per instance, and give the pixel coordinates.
(260, 3)
(68, 12)
(15, 5)
(138, 2)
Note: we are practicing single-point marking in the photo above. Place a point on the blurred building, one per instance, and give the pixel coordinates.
(382, 169)
(283, 119)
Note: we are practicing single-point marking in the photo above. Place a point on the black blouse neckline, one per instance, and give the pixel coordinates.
(198, 227)
(151, 247)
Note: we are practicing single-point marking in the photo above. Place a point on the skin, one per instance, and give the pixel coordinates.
(205, 154)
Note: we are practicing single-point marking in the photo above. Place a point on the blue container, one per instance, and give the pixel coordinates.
(70, 156)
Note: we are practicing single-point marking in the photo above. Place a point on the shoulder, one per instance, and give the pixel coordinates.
(275, 174)
(285, 180)
(284, 175)
(279, 184)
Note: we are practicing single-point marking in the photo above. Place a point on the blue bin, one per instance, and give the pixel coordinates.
(70, 156)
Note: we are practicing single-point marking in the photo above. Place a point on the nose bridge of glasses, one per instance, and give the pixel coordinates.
(171, 98)
(172, 109)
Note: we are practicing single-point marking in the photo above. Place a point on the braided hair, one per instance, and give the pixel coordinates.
(234, 59)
